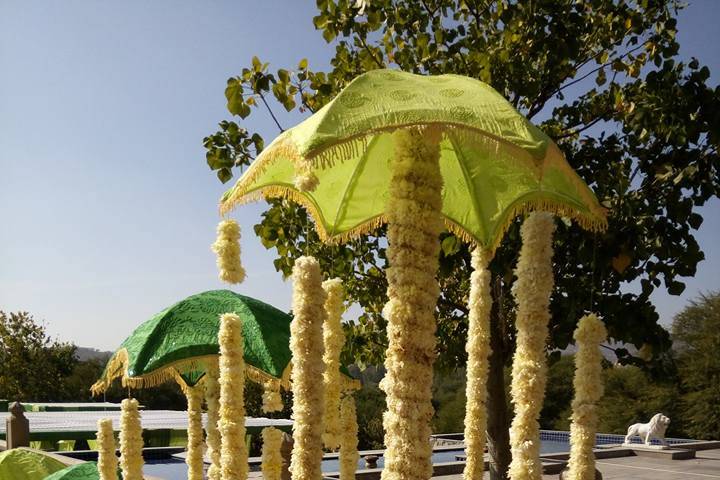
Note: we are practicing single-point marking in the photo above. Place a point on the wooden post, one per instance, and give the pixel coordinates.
(17, 427)
(286, 452)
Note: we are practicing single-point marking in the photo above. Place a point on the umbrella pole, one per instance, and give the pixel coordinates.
(478, 350)
(414, 225)
(529, 370)
(233, 452)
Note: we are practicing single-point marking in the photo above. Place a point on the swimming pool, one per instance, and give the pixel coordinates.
(170, 468)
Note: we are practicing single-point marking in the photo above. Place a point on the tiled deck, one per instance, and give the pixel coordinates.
(706, 465)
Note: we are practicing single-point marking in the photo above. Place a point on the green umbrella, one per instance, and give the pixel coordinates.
(22, 463)
(81, 471)
(181, 341)
(495, 164)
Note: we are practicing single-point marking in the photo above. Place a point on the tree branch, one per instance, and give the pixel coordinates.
(271, 112)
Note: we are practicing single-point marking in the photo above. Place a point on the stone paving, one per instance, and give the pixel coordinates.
(706, 465)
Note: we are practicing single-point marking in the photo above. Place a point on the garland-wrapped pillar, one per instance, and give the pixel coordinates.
(306, 345)
(233, 452)
(333, 338)
(588, 385)
(529, 370)
(194, 458)
(478, 350)
(272, 461)
(107, 463)
(131, 441)
(227, 248)
(349, 455)
(414, 225)
(212, 399)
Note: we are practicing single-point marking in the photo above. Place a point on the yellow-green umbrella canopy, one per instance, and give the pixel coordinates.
(495, 163)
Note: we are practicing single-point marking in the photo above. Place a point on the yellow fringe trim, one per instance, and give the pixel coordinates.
(118, 368)
(594, 221)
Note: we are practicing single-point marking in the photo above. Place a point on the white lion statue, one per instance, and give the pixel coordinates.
(655, 428)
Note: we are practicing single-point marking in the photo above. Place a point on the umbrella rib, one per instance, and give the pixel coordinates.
(473, 201)
(361, 163)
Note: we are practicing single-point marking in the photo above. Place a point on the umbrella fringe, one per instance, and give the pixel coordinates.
(117, 367)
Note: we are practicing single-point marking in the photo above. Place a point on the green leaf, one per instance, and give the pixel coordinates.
(303, 65)
(224, 174)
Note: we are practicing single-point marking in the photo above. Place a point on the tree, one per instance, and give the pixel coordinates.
(696, 337)
(602, 78)
(34, 366)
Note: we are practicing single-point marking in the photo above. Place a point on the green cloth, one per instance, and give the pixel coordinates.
(23, 464)
(81, 471)
(495, 163)
(183, 335)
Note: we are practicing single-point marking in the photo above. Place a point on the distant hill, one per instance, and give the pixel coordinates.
(84, 354)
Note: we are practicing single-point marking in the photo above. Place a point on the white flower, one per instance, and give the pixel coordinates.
(131, 441)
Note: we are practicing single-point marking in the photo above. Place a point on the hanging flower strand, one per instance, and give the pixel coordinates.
(194, 458)
(532, 293)
(349, 455)
(334, 339)
(478, 350)
(233, 452)
(227, 248)
(212, 399)
(588, 385)
(306, 345)
(107, 463)
(414, 224)
(272, 401)
(272, 461)
(131, 441)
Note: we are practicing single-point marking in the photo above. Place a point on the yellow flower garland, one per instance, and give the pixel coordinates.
(306, 345)
(334, 339)
(131, 441)
(272, 401)
(233, 452)
(349, 455)
(414, 224)
(529, 370)
(588, 385)
(212, 398)
(194, 458)
(227, 248)
(272, 461)
(107, 460)
(478, 350)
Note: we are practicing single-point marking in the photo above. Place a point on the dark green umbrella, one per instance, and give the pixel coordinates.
(181, 341)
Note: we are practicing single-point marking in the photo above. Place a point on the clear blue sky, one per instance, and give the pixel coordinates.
(107, 208)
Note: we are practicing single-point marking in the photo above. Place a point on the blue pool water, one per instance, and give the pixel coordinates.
(174, 469)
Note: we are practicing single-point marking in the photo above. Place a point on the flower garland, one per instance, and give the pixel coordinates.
(588, 390)
(478, 350)
(414, 224)
(306, 345)
(334, 338)
(194, 459)
(272, 461)
(272, 401)
(107, 463)
(349, 455)
(131, 441)
(233, 452)
(227, 248)
(212, 398)
(532, 293)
